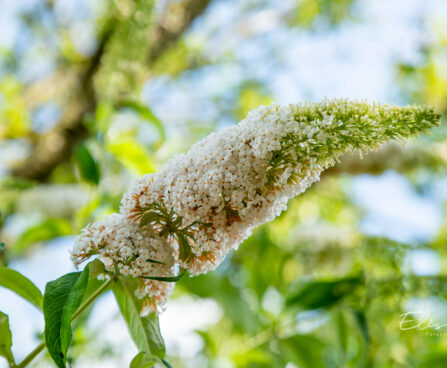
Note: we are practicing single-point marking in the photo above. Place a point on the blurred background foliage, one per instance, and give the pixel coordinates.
(95, 93)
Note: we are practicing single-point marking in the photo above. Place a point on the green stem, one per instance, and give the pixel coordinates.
(83, 306)
(32, 355)
(91, 298)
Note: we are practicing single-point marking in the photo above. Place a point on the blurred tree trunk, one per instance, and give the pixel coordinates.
(55, 147)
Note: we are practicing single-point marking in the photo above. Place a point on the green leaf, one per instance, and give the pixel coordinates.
(304, 350)
(143, 360)
(154, 261)
(433, 359)
(149, 217)
(87, 165)
(362, 325)
(165, 279)
(103, 115)
(16, 282)
(323, 294)
(62, 298)
(218, 287)
(185, 251)
(146, 113)
(131, 154)
(360, 319)
(5, 339)
(96, 268)
(145, 331)
(48, 229)
(2, 247)
(341, 330)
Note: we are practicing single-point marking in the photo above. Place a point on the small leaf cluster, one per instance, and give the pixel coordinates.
(170, 225)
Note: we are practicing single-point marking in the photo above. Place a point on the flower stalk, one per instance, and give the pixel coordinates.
(206, 202)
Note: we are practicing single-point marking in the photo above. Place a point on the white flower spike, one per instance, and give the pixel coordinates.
(207, 201)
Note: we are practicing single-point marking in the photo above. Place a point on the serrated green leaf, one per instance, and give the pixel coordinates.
(62, 298)
(145, 331)
(143, 360)
(323, 294)
(5, 338)
(16, 282)
(88, 167)
(48, 229)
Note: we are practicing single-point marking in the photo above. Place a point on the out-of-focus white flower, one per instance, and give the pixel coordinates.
(53, 200)
(207, 201)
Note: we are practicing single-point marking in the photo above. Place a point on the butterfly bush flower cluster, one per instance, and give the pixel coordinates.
(207, 201)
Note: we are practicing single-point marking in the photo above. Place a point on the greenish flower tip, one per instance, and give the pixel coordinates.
(358, 124)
